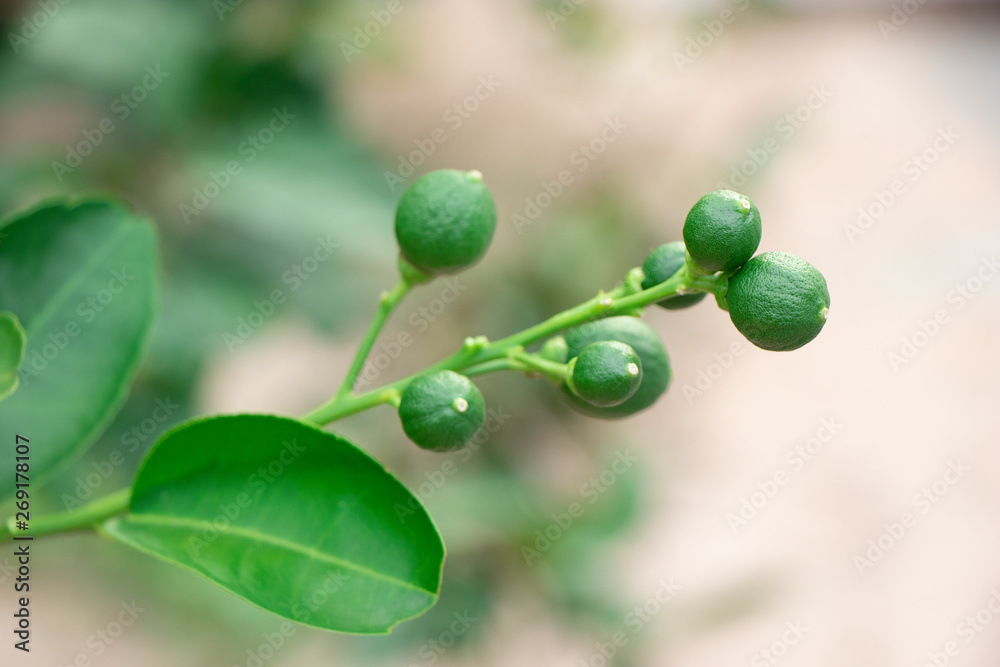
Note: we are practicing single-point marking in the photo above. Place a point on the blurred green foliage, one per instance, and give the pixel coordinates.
(174, 104)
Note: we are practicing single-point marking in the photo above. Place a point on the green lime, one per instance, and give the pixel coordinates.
(555, 349)
(660, 266)
(778, 300)
(441, 411)
(653, 360)
(445, 221)
(605, 374)
(722, 231)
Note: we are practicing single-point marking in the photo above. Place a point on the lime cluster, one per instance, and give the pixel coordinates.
(777, 300)
(616, 366)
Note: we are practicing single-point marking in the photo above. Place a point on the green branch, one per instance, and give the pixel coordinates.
(83, 518)
(481, 356)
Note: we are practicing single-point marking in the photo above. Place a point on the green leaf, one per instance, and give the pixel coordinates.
(291, 518)
(81, 279)
(12, 339)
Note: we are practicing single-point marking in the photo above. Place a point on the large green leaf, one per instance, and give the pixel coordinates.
(81, 278)
(291, 518)
(12, 340)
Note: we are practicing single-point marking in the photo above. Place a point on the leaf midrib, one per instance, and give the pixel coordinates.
(161, 519)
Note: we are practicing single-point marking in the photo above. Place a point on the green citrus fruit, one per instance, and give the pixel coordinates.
(653, 360)
(555, 349)
(441, 411)
(605, 374)
(445, 221)
(722, 231)
(778, 300)
(660, 266)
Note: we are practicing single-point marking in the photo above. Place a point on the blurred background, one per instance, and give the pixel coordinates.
(834, 505)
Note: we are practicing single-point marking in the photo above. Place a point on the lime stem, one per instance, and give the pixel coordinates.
(82, 518)
(387, 304)
(481, 356)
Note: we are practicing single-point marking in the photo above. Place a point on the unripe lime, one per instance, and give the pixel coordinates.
(722, 231)
(660, 266)
(778, 300)
(605, 374)
(555, 349)
(441, 411)
(445, 221)
(653, 360)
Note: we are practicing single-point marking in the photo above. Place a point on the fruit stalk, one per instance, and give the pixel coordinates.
(387, 304)
(477, 353)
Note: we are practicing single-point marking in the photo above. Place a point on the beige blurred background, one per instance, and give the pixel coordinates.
(837, 505)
